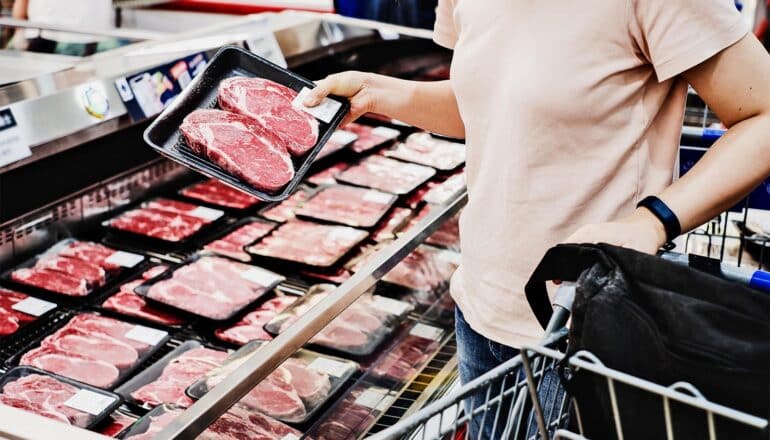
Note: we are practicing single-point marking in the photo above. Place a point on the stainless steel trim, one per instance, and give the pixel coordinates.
(206, 410)
(128, 34)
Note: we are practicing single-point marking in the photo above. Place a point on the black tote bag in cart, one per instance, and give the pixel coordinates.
(664, 323)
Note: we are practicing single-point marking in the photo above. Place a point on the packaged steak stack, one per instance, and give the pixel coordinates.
(445, 191)
(392, 223)
(307, 243)
(251, 326)
(282, 212)
(73, 268)
(211, 287)
(126, 302)
(327, 175)
(166, 381)
(95, 349)
(357, 331)
(237, 424)
(293, 392)
(18, 310)
(339, 140)
(243, 233)
(425, 149)
(403, 361)
(56, 397)
(347, 205)
(371, 137)
(386, 174)
(354, 415)
(213, 192)
(165, 219)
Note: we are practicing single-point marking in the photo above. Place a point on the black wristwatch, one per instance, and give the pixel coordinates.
(666, 216)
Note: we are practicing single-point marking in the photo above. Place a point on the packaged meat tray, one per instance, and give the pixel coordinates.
(94, 349)
(73, 269)
(386, 174)
(117, 423)
(294, 392)
(284, 211)
(357, 331)
(354, 415)
(327, 176)
(425, 149)
(215, 193)
(165, 381)
(236, 424)
(392, 223)
(447, 190)
(371, 137)
(56, 397)
(124, 301)
(251, 326)
(338, 141)
(164, 222)
(347, 205)
(446, 236)
(261, 141)
(18, 310)
(238, 236)
(307, 243)
(402, 362)
(210, 287)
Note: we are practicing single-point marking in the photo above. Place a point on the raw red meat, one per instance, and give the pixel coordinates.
(130, 304)
(240, 146)
(232, 244)
(284, 211)
(50, 280)
(93, 253)
(154, 271)
(444, 191)
(11, 320)
(424, 149)
(347, 421)
(348, 205)
(108, 326)
(311, 386)
(160, 224)
(387, 175)
(401, 362)
(392, 224)
(35, 408)
(44, 395)
(95, 346)
(174, 206)
(370, 137)
(337, 141)
(338, 277)
(276, 397)
(84, 369)
(217, 193)
(447, 235)
(270, 104)
(117, 423)
(309, 243)
(326, 177)
(424, 269)
(250, 327)
(93, 274)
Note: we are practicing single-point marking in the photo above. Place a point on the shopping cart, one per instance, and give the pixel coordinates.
(524, 398)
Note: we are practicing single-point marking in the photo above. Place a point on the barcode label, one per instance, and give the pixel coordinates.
(146, 335)
(378, 197)
(329, 366)
(426, 332)
(33, 306)
(389, 305)
(89, 402)
(261, 276)
(343, 137)
(206, 213)
(124, 259)
(324, 111)
(369, 398)
(386, 132)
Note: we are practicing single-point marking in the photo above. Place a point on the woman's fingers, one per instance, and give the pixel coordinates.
(346, 84)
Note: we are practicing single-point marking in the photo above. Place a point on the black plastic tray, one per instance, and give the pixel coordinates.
(179, 194)
(232, 228)
(163, 134)
(19, 372)
(302, 188)
(25, 327)
(387, 207)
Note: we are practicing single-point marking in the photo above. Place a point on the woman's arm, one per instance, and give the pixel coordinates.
(20, 9)
(431, 106)
(736, 85)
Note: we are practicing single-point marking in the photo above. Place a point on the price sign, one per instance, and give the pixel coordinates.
(13, 146)
(264, 44)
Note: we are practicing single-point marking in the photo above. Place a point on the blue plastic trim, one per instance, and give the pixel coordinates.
(712, 135)
(760, 280)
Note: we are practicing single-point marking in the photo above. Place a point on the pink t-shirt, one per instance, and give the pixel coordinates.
(572, 112)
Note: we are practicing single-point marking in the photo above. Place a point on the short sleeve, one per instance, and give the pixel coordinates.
(676, 35)
(445, 31)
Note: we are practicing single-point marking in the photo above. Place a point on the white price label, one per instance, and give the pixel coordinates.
(426, 332)
(261, 276)
(329, 366)
(343, 233)
(89, 402)
(378, 197)
(124, 89)
(343, 137)
(324, 111)
(386, 402)
(289, 437)
(386, 132)
(13, 146)
(450, 257)
(369, 399)
(124, 259)
(389, 305)
(146, 335)
(206, 213)
(33, 306)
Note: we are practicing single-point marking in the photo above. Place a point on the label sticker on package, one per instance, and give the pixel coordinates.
(261, 276)
(289, 437)
(124, 259)
(369, 398)
(324, 111)
(378, 197)
(146, 335)
(343, 233)
(206, 213)
(329, 366)
(33, 306)
(13, 146)
(343, 137)
(386, 402)
(450, 257)
(89, 402)
(426, 331)
(386, 132)
(389, 305)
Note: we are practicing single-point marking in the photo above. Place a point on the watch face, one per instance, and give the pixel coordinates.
(96, 102)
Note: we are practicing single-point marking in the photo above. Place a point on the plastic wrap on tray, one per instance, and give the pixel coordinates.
(386, 174)
(244, 233)
(443, 192)
(347, 205)
(284, 211)
(447, 235)
(425, 149)
(402, 361)
(326, 176)
(214, 192)
(56, 397)
(293, 392)
(166, 381)
(18, 310)
(237, 424)
(95, 349)
(354, 415)
(126, 302)
(251, 326)
(74, 268)
(211, 287)
(116, 423)
(371, 137)
(357, 331)
(308, 243)
(338, 276)
(165, 219)
(393, 222)
(339, 140)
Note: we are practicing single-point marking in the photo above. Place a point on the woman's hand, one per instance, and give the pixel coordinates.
(364, 90)
(640, 231)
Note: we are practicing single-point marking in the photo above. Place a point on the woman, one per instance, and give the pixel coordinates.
(572, 113)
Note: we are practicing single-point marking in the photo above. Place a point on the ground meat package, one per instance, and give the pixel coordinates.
(166, 381)
(425, 149)
(386, 174)
(251, 326)
(237, 424)
(402, 361)
(127, 303)
(74, 268)
(215, 193)
(347, 205)
(94, 349)
(56, 397)
(210, 287)
(294, 392)
(236, 237)
(354, 415)
(18, 310)
(357, 331)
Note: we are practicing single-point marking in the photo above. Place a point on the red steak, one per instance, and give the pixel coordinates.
(232, 244)
(387, 175)
(217, 193)
(93, 372)
(348, 205)
(11, 320)
(93, 274)
(311, 386)
(94, 253)
(50, 280)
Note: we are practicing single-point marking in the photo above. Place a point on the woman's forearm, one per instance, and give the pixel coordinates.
(20, 9)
